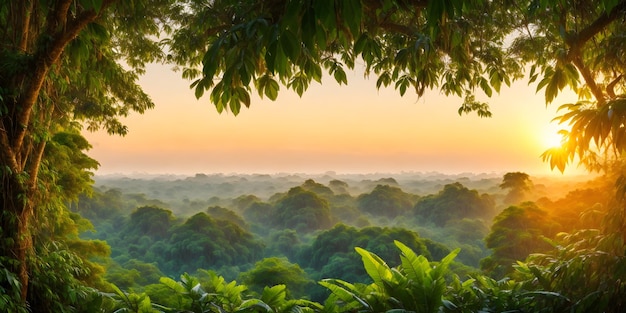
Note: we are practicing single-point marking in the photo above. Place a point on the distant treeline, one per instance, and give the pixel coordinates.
(309, 231)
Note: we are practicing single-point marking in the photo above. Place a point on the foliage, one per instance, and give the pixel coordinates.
(586, 269)
(284, 242)
(133, 274)
(208, 242)
(212, 294)
(131, 302)
(517, 232)
(415, 286)
(338, 186)
(61, 70)
(418, 45)
(455, 201)
(302, 210)
(319, 189)
(518, 184)
(332, 252)
(261, 213)
(580, 208)
(275, 271)
(385, 200)
(221, 213)
(408, 45)
(586, 42)
(148, 220)
(61, 65)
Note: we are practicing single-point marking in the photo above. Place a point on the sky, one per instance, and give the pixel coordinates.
(345, 129)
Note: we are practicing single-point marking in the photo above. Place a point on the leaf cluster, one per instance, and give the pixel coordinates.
(408, 45)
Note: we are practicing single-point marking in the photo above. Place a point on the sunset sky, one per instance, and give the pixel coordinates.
(346, 129)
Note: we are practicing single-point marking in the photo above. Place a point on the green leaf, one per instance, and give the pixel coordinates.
(360, 43)
(346, 292)
(375, 267)
(340, 75)
(172, 284)
(484, 85)
(558, 80)
(416, 267)
(275, 295)
(255, 305)
(271, 89)
(309, 27)
(325, 11)
(495, 80)
(271, 52)
(244, 96)
(292, 12)
(442, 267)
(547, 76)
(290, 45)
(352, 13)
(211, 60)
(401, 57)
(384, 79)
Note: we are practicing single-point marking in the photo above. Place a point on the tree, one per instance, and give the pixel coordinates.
(518, 184)
(332, 252)
(203, 242)
(517, 232)
(274, 271)
(385, 200)
(454, 201)
(221, 213)
(302, 210)
(321, 190)
(339, 187)
(149, 220)
(60, 64)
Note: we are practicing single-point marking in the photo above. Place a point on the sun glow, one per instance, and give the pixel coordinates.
(551, 137)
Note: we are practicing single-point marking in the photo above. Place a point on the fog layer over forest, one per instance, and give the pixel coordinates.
(297, 229)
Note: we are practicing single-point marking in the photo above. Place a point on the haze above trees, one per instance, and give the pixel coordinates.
(61, 72)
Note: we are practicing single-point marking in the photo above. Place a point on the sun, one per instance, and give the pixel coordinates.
(551, 137)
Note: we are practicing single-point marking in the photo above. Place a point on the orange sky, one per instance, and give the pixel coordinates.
(347, 129)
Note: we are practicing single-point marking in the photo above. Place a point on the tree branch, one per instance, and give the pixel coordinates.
(7, 155)
(27, 10)
(577, 41)
(45, 58)
(599, 24)
(610, 88)
(57, 15)
(590, 80)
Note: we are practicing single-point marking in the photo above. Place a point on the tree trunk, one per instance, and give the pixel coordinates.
(16, 241)
(24, 247)
(20, 157)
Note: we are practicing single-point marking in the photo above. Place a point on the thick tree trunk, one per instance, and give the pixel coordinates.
(16, 241)
(24, 247)
(20, 158)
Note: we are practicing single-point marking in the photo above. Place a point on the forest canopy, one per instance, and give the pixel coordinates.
(73, 65)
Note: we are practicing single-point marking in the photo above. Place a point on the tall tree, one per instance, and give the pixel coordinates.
(517, 232)
(61, 63)
(518, 184)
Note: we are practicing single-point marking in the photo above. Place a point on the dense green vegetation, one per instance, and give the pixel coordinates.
(243, 240)
(69, 65)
